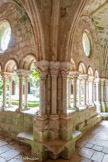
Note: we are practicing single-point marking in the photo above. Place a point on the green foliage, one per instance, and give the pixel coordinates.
(34, 78)
(92, 19)
(1, 87)
(100, 28)
(29, 104)
(23, 19)
(15, 78)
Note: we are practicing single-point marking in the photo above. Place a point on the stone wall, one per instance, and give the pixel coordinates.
(12, 123)
(22, 38)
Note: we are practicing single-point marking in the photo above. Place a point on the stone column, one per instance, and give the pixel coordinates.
(10, 90)
(91, 80)
(94, 91)
(26, 92)
(20, 92)
(84, 77)
(65, 69)
(4, 76)
(98, 94)
(98, 85)
(75, 76)
(102, 90)
(87, 92)
(54, 68)
(69, 93)
(79, 92)
(106, 94)
(42, 68)
(103, 95)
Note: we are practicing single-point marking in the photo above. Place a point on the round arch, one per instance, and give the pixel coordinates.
(96, 74)
(82, 68)
(10, 65)
(90, 71)
(34, 16)
(74, 64)
(27, 61)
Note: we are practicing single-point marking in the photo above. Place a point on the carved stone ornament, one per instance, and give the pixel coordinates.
(83, 76)
(42, 68)
(65, 68)
(74, 74)
(54, 68)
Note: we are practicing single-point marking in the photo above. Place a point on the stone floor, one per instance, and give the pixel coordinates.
(12, 151)
(93, 146)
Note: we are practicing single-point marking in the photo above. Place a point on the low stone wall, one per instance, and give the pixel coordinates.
(81, 120)
(52, 137)
(12, 123)
(62, 133)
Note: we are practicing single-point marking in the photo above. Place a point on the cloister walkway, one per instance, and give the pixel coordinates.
(92, 146)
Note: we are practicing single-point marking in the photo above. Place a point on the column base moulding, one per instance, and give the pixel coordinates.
(106, 103)
(18, 110)
(54, 117)
(103, 106)
(10, 106)
(65, 116)
(98, 106)
(42, 117)
(25, 109)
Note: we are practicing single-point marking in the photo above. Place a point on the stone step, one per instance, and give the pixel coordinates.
(99, 118)
(25, 136)
(54, 146)
(76, 135)
(104, 115)
(59, 145)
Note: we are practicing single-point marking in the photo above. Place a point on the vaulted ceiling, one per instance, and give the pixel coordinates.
(97, 11)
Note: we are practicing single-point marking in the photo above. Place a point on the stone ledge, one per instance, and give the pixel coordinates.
(25, 136)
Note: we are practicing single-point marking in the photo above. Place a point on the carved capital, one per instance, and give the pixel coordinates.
(42, 68)
(65, 69)
(91, 78)
(98, 80)
(102, 81)
(74, 74)
(106, 82)
(84, 77)
(7, 75)
(4, 75)
(54, 68)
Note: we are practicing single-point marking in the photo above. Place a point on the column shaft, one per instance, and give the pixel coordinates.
(4, 91)
(94, 91)
(85, 90)
(54, 95)
(10, 90)
(26, 92)
(88, 91)
(20, 92)
(69, 93)
(79, 92)
(64, 111)
(42, 96)
(74, 92)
